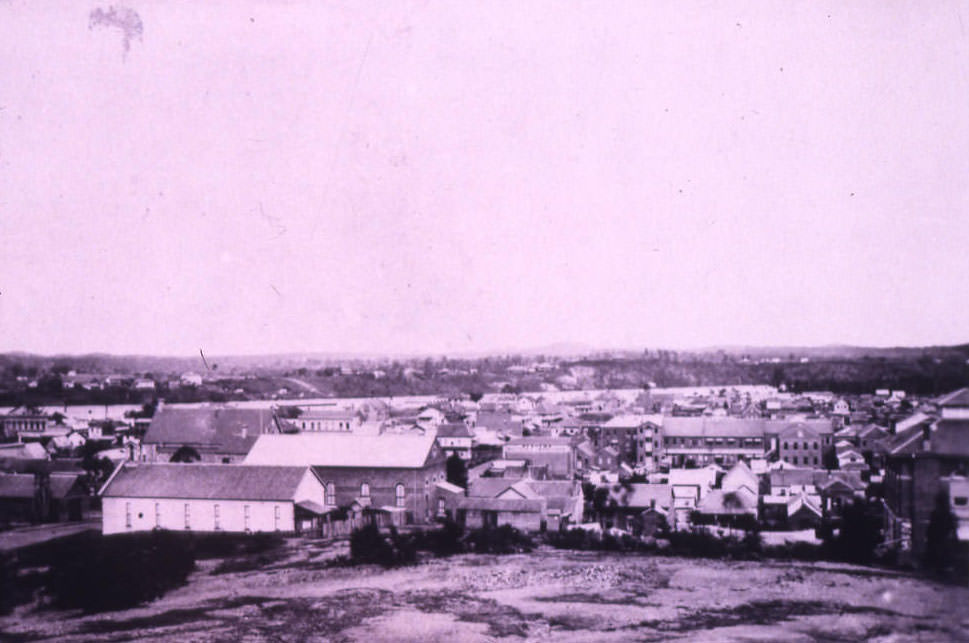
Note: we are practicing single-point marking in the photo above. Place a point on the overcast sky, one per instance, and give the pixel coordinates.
(253, 178)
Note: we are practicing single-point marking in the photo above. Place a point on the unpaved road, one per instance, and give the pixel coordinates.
(548, 595)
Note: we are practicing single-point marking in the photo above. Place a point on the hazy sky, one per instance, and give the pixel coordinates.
(456, 176)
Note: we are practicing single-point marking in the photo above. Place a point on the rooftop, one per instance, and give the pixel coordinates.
(205, 481)
(390, 450)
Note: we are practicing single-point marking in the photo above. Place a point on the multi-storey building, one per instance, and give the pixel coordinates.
(631, 436)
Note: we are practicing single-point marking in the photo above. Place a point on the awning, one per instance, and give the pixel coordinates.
(312, 507)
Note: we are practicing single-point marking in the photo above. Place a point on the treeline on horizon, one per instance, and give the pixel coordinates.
(921, 372)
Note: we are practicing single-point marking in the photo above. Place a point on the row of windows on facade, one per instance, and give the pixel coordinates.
(794, 460)
(400, 493)
(25, 425)
(216, 516)
(325, 426)
(804, 445)
(699, 442)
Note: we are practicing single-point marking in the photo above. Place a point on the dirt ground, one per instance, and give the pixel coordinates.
(546, 595)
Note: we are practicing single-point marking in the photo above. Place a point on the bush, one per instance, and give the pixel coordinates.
(224, 545)
(499, 540)
(445, 541)
(117, 572)
(368, 546)
(858, 536)
(583, 540)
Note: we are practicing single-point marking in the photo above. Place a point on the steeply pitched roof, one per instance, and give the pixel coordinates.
(720, 502)
(225, 429)
(205, 481)
(958, 398)
(391, 450)
(738, 476)
(907, 441)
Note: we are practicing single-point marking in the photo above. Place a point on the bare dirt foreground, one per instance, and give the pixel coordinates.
(546, 595)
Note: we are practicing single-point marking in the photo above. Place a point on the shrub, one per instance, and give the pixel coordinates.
(445, 541)
(499, 540)
(368, 546)
(224, 545)
(117, 572)
(697, 543)
(859, 535)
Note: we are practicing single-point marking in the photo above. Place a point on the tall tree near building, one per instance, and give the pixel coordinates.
(941, 542)
(457, 472)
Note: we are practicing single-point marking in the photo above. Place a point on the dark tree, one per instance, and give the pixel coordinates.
(457, 471)
(829, 459)
(941, 546)
(859, 535)
(290, 411)
(475, 396)
(185, 454)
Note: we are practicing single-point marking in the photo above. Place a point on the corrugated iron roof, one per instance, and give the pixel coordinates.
(205, 482)
(227, 429)
(392, 450)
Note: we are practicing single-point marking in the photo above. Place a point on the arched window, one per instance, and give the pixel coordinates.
(399, 493)
(365, 490)
(330, 496)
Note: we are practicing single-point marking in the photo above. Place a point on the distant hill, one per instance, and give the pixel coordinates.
(126, 364)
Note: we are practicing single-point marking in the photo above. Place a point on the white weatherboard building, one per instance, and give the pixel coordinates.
(207, 498)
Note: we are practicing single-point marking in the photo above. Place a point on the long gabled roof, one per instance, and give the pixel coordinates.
(958, 398)
(22, 485)
(389, 450)
(225, 429)
(731, 427)
(205, 482)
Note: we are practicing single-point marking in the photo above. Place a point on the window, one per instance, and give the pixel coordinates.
(215, 517)
(127, 515)
(157, 514)
(815, 461)
(960, 501)
(785, 445)
(365, 490)
(188, 516)
(330, 495)
(276, 514)
(815, 445)
(795, 459)
(399, 493)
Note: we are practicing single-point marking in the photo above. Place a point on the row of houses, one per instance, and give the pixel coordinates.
(780, 498)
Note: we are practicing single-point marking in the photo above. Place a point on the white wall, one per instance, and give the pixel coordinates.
(310, 488)
(201, 515)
